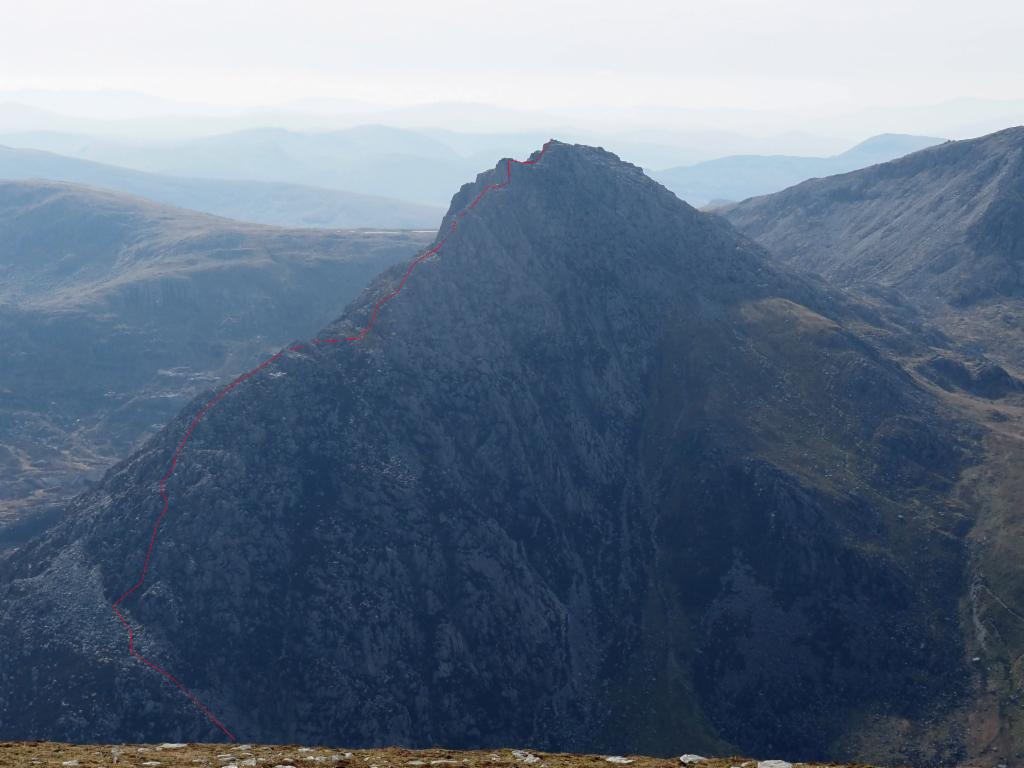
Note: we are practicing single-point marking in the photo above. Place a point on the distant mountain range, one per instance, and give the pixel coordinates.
(741, 176)
(369, 160)
(710, 132)
(261, 202)
(114, 311)
(424, 165)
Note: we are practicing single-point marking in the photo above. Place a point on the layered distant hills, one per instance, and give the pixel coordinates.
(114, 311)
(605, 476)
(409, 165)
(369, 160)
(258, 201)
(738, 177)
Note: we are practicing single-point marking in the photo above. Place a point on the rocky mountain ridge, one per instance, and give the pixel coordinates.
(603, 477)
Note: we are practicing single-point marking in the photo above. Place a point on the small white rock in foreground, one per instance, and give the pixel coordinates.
(691, 759)
(526, 757)
(774, 764)
(617, 759)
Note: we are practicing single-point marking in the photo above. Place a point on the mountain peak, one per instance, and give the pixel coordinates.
(589, 422)
(555, 162)
(886, 146)
(569, 219)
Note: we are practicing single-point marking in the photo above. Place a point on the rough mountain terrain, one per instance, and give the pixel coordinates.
(114, 311)
(603, 478)
(944, 227)
(940, 234)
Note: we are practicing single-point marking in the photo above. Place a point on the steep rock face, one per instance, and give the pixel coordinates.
(944, 225)
(601, 477)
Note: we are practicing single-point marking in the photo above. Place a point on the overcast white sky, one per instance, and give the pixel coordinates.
(533, 53)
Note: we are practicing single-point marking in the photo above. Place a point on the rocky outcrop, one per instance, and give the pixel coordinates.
(602, 477)
(984, 379)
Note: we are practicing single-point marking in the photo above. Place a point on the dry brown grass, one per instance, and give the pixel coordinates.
(44, 754)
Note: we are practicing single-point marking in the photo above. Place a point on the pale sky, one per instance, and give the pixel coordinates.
(525, 53)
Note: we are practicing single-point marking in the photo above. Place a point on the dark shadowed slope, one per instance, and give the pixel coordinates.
(262, 202)
(944, 226)
(602, 477)
(114, 311)
(738, 177)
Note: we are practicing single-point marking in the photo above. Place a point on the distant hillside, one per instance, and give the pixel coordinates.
(944, 226)
(114, 311)
(741, 176)
(279, 204)
(369, 160)
(423, 164)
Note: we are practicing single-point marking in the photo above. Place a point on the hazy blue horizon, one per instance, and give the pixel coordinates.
(822, 67)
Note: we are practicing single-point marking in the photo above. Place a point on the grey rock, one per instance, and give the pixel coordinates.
(590, 473)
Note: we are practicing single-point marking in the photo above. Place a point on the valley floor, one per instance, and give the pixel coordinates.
(44, 754)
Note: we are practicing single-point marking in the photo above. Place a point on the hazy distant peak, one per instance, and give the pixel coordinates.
(891, 145)
(738, 177)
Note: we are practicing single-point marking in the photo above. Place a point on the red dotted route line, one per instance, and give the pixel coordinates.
(227, 390)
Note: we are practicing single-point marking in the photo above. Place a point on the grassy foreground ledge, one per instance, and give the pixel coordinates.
(44, 754)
